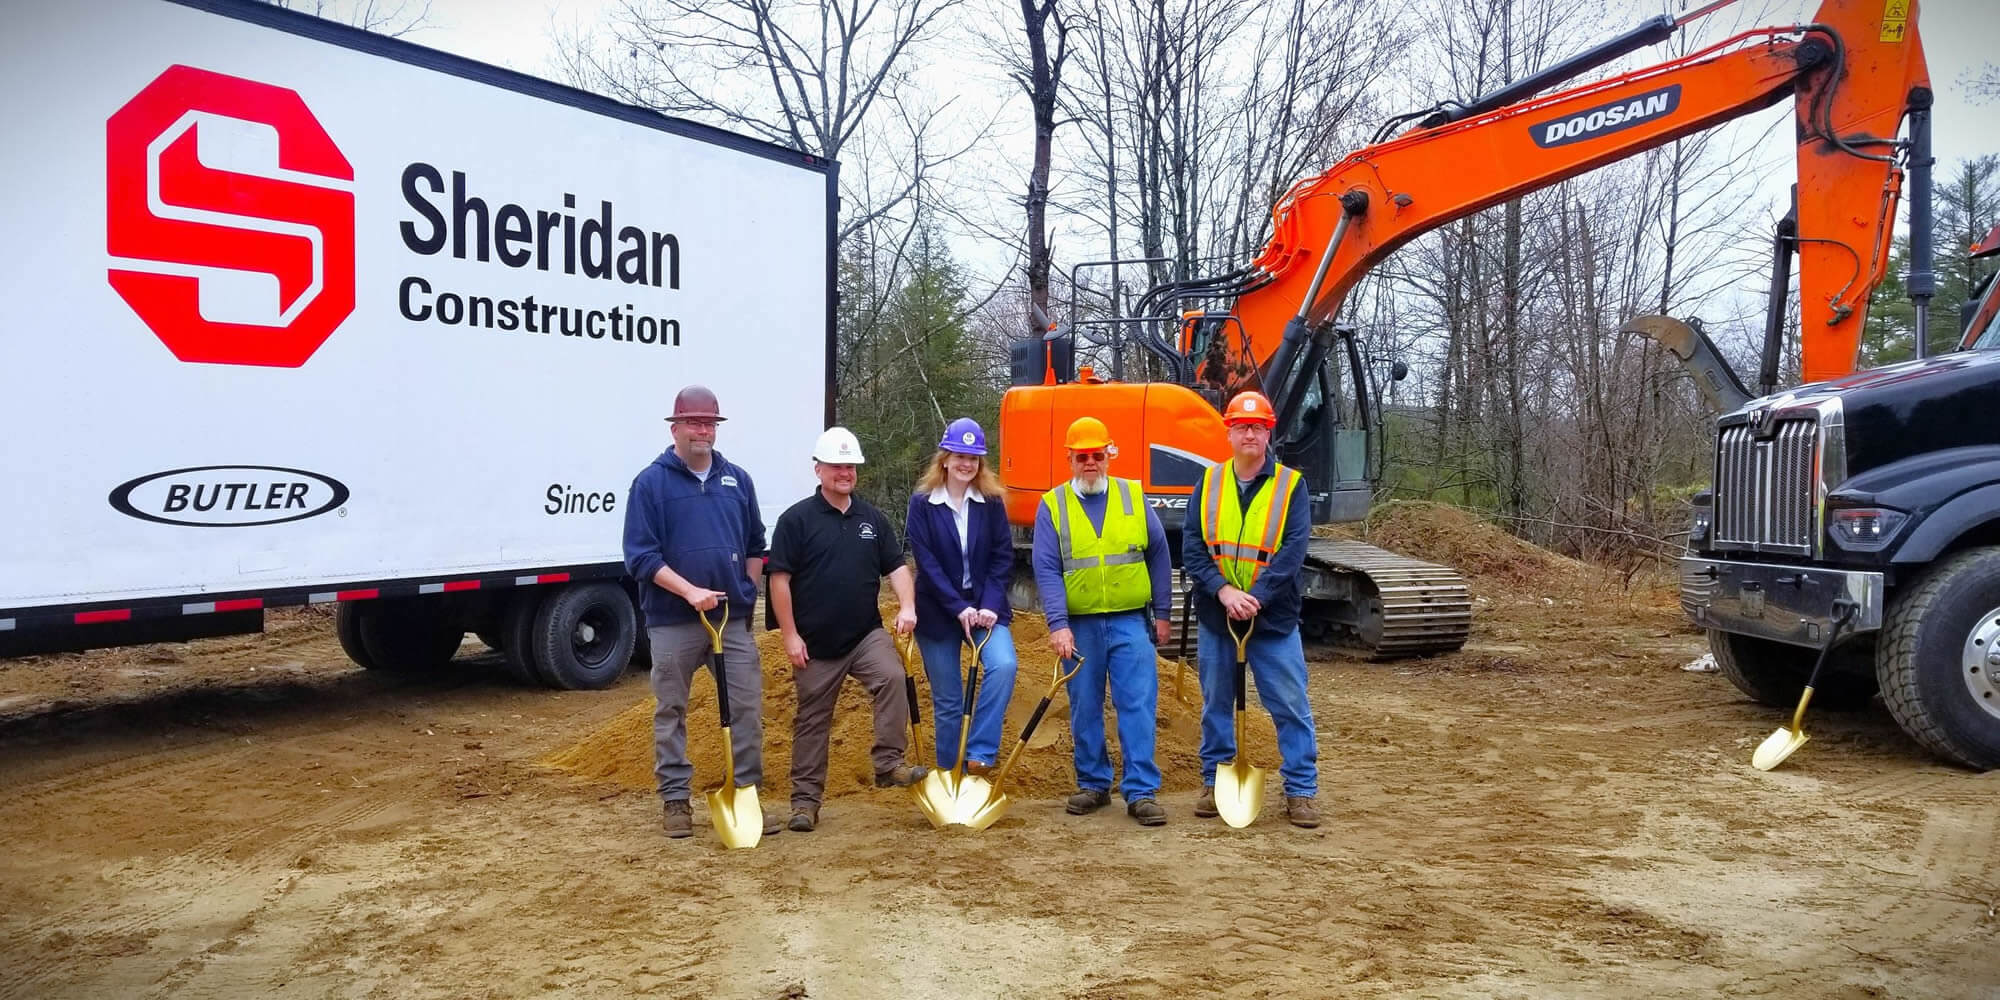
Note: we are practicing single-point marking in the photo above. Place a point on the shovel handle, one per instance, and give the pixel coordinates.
(715, 664)
(1242, 657)
(1843, 612)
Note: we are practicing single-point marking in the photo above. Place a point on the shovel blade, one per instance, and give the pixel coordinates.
(937, 796)
(988, 809)
(1778, 746)
(1239, 792)
(738, 818)
(971, 797)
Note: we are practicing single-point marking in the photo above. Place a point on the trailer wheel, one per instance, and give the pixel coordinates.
(347, 625)
(583, 636)
(517, 634)
(1774, 673)
(408, 637)
(1939, 659)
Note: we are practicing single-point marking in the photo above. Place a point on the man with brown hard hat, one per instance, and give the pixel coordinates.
(1243, 545)
(694, 539)
(1101, 560)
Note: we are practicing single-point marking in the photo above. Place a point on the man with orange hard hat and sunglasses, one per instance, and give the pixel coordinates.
(1101, 560)
(1243, 544)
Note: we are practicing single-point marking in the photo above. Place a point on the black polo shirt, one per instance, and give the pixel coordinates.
(837, 562)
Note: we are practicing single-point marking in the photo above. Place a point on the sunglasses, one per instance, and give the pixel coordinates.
(1088, 456)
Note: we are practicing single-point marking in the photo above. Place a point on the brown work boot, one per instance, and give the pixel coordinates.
(1302, 810)
(1146, 812)
(804, 819)
(1204, 806)
(773, 824)
(1087, 800)
(679, 819)
(978, 768)
(900, 776)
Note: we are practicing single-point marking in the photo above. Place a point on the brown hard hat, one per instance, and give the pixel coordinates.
(696, 403)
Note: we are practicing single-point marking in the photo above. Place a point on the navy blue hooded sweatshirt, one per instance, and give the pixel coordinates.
(705, 530)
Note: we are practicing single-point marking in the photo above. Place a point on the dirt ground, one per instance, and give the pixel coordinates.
(1559, 810)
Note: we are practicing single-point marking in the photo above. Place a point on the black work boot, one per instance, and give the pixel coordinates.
(679, 819)
(1204, 806)
(1146, 812)
(1087, 800)
(804, 819)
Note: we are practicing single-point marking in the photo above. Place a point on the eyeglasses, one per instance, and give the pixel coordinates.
(1088, 456)
(697, 425)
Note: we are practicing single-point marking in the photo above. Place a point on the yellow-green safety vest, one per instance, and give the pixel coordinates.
(1243, 541)
(1103, 572)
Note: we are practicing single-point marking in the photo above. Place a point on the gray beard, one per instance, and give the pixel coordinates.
(1098, 488)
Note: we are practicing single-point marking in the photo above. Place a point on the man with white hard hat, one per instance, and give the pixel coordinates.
(829, 554)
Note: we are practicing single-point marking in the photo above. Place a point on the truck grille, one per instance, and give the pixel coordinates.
(1765, 488)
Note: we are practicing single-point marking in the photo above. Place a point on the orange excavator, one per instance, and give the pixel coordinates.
(1855, 73)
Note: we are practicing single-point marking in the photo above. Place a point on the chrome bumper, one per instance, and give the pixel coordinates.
(1792, 604)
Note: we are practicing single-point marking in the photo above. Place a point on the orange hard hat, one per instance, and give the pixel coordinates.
(1086, 433)
(1250, 407)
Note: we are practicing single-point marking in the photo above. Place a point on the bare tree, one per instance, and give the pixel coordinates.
(1042, 80)
(394, 18)
(808, 75)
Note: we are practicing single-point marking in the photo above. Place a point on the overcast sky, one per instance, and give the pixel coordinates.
(1960, 36)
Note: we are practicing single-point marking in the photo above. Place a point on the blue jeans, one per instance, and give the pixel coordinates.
(1117, 648)
(1278, 664)
(944, 664)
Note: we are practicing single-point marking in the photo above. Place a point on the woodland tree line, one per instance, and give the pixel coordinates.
(1167, 129)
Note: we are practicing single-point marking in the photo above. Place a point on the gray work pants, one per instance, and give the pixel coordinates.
(678, 651)
(874, 663)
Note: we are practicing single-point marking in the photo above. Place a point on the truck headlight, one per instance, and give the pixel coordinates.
(1701, 520)
(1866, 529)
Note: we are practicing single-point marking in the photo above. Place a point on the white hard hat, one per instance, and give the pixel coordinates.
(837, 446)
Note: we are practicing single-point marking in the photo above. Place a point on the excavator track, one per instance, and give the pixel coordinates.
(1383, 605)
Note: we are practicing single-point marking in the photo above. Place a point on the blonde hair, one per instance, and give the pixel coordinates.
(984, 480)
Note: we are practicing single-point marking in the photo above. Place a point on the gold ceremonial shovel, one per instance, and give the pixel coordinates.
(1239, 788)
(989, 811)
(939, 793)
(734, 810)
(1787, 740)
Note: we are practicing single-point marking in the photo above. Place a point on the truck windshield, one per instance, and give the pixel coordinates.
(1982, 333)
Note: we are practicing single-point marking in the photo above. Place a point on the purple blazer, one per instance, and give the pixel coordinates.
(941, 563)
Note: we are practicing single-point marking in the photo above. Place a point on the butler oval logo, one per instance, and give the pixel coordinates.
(229, 496)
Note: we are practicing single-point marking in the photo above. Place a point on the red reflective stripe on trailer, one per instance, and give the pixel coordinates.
(242, 604)
(356, 595)
(95, 617)
(461, 585)
(552, 578)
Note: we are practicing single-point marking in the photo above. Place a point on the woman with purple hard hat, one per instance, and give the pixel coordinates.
(965, 555)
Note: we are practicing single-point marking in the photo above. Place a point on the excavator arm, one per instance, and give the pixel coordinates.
(1855, 71)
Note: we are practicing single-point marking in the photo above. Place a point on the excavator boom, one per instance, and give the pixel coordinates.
(1854, 72)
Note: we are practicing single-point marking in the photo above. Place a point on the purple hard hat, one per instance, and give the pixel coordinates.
(963, 437)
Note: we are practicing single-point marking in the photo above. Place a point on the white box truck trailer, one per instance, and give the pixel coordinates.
(300, 314)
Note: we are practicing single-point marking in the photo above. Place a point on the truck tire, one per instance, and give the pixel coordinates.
(347, 625)
(1774, 673)
(1939, 659)
(408, 636)
(517, 634)
(583, 636)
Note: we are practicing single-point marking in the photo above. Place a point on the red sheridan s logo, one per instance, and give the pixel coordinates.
(230, 218)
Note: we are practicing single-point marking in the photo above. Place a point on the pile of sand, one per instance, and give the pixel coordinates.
(620, 752)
